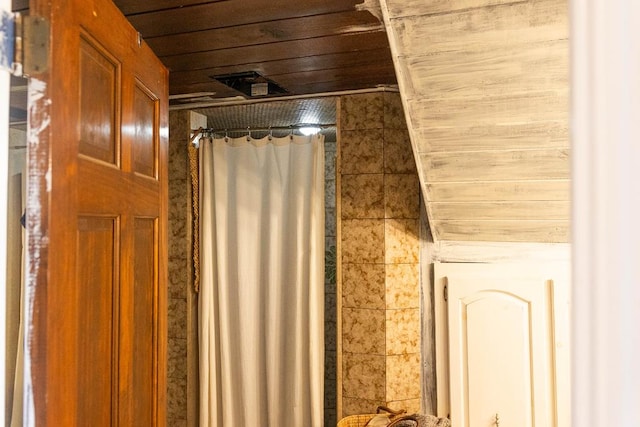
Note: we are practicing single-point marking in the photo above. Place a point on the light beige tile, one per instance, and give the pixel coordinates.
(403, 377)
(363, 331)
(362, 111)
(402, 286)
(398, 154)
(402, 241)
(362, 196)
(363, 240)
(363, 376)
(361, 151)
(402, 331)
(393, 112)
(401, 196)
(363, 286)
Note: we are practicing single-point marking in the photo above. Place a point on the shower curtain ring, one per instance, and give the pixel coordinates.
(248, 133)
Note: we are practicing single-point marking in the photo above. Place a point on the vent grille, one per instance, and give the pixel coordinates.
(251, 84)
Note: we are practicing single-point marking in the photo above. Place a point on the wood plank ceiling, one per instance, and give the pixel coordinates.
(306, 47)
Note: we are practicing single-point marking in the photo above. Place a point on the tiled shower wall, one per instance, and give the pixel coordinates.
(379, 229)
(182, 330)
(330, 316)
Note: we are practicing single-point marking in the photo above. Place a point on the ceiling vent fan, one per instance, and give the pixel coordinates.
(251, 84)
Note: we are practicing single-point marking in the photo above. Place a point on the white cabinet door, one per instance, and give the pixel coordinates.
(502, 343)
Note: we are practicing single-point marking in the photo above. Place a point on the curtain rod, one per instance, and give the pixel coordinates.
(196, 132)
(250, 129)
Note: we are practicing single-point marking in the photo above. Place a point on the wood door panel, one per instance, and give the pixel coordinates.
(145, 147)
(99, 102)
(108, 186)
(97, 271)
(145, 286)
(484, 363)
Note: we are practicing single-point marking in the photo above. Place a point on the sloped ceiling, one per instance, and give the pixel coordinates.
(485, 88)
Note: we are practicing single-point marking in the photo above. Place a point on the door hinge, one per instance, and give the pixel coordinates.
(25, 43)
(32, 32)
(445, 292)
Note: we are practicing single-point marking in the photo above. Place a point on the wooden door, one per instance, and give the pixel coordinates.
(97, 222)
(507, 339)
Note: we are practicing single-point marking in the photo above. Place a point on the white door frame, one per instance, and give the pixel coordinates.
(605, 127)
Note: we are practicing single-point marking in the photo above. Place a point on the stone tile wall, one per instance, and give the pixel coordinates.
(182, 389)
(330, 316)
(379, 256)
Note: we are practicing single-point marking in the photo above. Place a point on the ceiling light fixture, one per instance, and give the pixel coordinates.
(309, 130)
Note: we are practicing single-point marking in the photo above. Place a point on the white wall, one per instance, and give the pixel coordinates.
(606, 211)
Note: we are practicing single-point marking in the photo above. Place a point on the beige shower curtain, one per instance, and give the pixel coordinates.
(262, 282)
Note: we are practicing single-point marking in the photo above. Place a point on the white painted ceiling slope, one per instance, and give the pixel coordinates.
(485, 88)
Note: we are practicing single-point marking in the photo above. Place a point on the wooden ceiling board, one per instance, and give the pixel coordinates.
(485, 29)
(406, 8)
(541, 134)
(288, 65)
(231, 13)
(132, 7)
(353, 74)
(353, 42)
(491, 110)
(213, 86)
(504, 231)
(263, 33)
(475, 73)
(306, 83)
(478, 191)
(525, 210)
(506, 165)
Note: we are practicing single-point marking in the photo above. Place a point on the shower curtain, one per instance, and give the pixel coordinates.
(261, 301)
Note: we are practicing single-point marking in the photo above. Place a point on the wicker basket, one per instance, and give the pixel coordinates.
(355, 420)
(362, 419)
